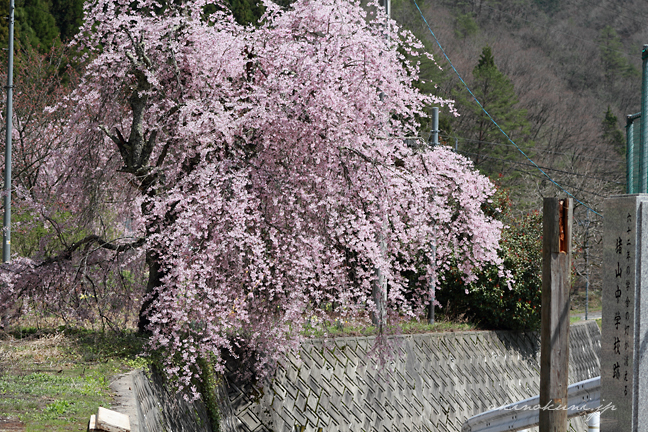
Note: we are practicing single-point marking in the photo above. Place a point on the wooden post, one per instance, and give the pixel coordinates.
(554, 345)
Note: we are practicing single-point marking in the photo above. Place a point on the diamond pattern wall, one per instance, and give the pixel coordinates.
(434, 382)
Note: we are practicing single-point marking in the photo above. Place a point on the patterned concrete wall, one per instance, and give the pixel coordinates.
(434, 383)
(159, 410)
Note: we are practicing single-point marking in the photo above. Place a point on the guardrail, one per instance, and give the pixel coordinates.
(583, 397)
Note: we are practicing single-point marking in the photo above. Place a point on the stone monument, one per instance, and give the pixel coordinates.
(624, 366)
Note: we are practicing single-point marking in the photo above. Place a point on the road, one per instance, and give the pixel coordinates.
(592, 315)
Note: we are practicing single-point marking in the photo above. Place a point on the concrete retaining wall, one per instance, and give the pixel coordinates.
(434, 383)
(160, 410)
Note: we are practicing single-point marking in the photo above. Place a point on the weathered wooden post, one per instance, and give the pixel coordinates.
(554, 350)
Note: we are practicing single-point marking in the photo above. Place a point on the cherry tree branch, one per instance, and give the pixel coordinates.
(88, 240)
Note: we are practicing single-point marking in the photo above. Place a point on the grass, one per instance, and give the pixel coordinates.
(54, 380)
(577, 301)
(338, 328)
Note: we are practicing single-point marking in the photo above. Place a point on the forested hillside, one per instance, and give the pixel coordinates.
(574, 67)
(40, 23)
(559, 76)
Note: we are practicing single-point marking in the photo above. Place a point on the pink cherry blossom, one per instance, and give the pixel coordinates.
(259, 169)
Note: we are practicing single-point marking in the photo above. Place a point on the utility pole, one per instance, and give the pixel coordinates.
(432, 284)
(435, 126)
(587, 282)
(631, 152)
(387, 5)
(435, 142)
(6, 229)
(643, 151)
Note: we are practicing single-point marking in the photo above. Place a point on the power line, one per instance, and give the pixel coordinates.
(491, 118)
(531, 173)
(571, 155)
(539, 151)
(544, 168)
(541, 177)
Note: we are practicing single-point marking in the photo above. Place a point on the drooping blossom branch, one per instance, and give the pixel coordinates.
(279, 184)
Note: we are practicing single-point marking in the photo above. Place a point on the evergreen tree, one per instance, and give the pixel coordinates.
(476, 131)
(615, 65)
(612, 135)
(68, 15)
(247, 11)
(250, 11)
(466, 26)
(35, 25)
(4, 26)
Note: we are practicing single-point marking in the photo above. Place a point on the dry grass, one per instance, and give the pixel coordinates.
(44, 350)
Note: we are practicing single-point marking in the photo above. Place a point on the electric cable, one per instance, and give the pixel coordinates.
(538, 151)
(533, 174)
(544, 168)
(493, 120)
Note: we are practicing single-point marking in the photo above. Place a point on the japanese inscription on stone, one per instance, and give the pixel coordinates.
(622, 338)
(622, 232)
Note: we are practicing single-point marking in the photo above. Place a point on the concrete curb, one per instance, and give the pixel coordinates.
(124, 401)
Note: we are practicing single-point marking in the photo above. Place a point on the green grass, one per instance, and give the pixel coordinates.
(345, 329)
(438, 326)
(573, 319)
(54, 380)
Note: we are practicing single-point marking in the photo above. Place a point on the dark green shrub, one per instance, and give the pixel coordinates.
(489, 301)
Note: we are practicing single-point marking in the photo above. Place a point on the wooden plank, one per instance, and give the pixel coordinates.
(554, 349)
(92, 424)
(112, 421)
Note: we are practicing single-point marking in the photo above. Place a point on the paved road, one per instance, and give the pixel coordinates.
(590, 316)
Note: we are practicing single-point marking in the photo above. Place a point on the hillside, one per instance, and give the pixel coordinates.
(575, 69)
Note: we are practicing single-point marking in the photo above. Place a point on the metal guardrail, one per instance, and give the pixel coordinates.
(583, 397)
